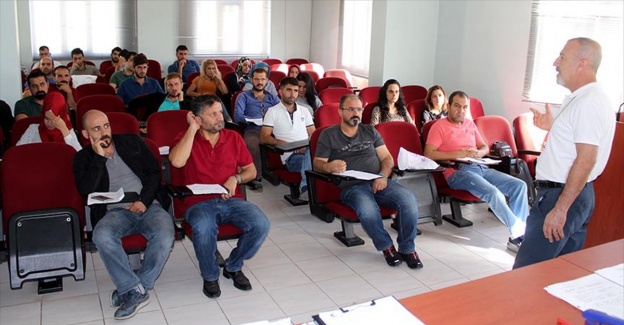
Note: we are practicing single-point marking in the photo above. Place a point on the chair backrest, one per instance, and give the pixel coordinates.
(369, 94)
(162, 127)
(191, 77)
(397, 135)
(272, 61)
(104, 103)
(283, 67)
(340, 73)
(425, 131)
(233, 103)
(330, 82)
(528, 136)
(476, 108)
(415, 109)
(276, 77)
(29, 184)
(496, 128)
(154, 71)
(123, 123)
(333, 95)
(108, 74)
(95, 89)
(315, 76)
(327, 115)
(234, 63)
(105, 65)
(20, 126)
(367, 114)
(296, 61)
(413, 92)
(221, 61)
(316, 67)
(224, 68)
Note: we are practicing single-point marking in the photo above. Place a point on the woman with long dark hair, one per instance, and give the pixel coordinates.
(307, 96)
(390, 104)
(436, 104)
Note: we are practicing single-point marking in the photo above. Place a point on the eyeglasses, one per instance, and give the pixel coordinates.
(353, 109)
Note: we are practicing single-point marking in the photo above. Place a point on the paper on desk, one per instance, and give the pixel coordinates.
(256, 121)
(207, 189)
(410, 160)
(481, 161)
(105, 197)
(282, 321)
(359, 175)
(613, 273)
(164, 150)
(591, 292)
(379, 311)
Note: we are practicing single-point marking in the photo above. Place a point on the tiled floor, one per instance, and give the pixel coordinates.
(300, 270)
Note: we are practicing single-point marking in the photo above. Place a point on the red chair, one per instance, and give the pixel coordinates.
(105, 65)
(282, 67)
(95, 89)
(367, 114)
(108, 74)
(413, 92)
(191, 77)
(224, 68)
(43, 216)
(275, 172)
(315, 76)
(333, 95)
(340, 73)
(369, 94)
(456, 197)
(87, 62)
(154, 70)
(330, 82)
(297, 61)
(272, 61)
(327, 115)
(20, 126)
(104, 103)
(276, 77)
(317, 68)
(415, 110)
(163, 127)
(221, 61)
(476, 109)
(529, 139)
(233, 103)
(123, 123)
(325, 202)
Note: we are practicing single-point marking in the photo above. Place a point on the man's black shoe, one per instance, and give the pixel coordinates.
(412, 260)
(211, 289)
(240, 280)
(391, 256)
(255, 185)
(220, 259)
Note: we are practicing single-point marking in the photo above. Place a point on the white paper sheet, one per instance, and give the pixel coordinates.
(482, 161)
(78, 80)
(359, 175)
(105, 197)
(591, 292)
(414, 161)
(379, 311)
(207, 189)
(613, 273)
(256, 121)
(164, 150)
(282, 321)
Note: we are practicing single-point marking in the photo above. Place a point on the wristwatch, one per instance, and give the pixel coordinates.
(239, 179)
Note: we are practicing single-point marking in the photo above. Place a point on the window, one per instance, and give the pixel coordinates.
(555, 22)
(356, 35)
(94, 26)
(226, 28)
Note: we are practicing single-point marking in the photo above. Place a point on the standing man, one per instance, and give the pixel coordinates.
(80, 67)
(183, 65)
(140, 83)
(32, 105)
(284, 123)
(124, 161)
(210, 154)
(579, 143)
(253, 104)
(351, 145)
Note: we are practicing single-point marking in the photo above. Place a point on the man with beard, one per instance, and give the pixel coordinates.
(126, 73)
(183, 65)
(80, 67)
(124, 161)
(140, 83)
(114, 61)
(210, 154)
(44, 52)
(63, 84)
(284, 123)
(32, 105)
(458, 137)
(354, 146)
(46, 67)
(252, 105)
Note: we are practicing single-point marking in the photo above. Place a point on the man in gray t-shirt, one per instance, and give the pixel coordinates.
(351, 146)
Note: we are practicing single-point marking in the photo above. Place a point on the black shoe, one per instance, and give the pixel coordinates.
(240, 280)
(392, 257)
(219, 258)
(412, 260)
(211, 289)
(255, 185)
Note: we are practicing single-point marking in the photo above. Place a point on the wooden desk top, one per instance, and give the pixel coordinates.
(598, 257)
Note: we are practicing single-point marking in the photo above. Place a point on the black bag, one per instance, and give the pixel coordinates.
(520, 169)
(501, 149)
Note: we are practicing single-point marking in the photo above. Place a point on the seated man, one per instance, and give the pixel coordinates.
(63, 84)
(269, 86)
(31, 105)
(183, 65)
(355, 146)
(210, 154)
(457, 137)
(80, 67)
(140, 83)
(253, 104)
(288, 123)
(44, 52)
(47, 68)
(124, 161)
(126, 73)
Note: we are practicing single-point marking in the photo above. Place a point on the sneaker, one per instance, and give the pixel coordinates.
(211, 289)
(392, 257)
(412, 260)
(240, 280)
(115, 299)
(514, 244)
(255, 185)
(134, 301)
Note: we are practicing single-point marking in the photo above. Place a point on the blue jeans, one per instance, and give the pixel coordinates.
(205, 218)
(155, 224)
(492, 187)
(300, 162)
(536, 248)
(361, 198)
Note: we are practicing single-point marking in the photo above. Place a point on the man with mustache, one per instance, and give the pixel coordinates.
(63, 84)
(354, 146)
(579, 144)
(47, 68)
(140, 83)
(44, 52)
(32, 105)
(80, 67)
(126, 73)
(124, 161)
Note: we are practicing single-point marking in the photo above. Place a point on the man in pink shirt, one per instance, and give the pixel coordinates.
(457, 137)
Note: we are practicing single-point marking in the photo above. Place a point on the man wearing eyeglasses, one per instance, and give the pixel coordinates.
(354, 146)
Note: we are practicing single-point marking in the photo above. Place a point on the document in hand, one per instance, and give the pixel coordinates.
(385, 310)
(105, 197)
(480, 161)
(207, 189)
(358, 175)
(414, 161)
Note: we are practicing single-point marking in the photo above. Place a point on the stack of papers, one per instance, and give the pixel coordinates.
(207, 189)
(414, 161)
(379, 311)
(105, 197)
